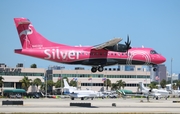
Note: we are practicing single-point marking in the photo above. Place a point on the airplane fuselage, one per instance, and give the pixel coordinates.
(87, 56)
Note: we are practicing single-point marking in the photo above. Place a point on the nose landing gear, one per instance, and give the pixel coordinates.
(154, 68)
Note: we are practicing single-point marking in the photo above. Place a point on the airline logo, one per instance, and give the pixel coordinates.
(28, 31)
(57, 54)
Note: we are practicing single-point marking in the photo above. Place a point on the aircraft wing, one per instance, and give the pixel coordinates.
(108, 43)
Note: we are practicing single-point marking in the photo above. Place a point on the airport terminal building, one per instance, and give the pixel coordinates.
(12, 76)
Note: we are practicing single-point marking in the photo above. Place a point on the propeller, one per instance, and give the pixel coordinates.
(128, 43)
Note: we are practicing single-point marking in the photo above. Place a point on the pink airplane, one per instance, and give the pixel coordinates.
(98, 56)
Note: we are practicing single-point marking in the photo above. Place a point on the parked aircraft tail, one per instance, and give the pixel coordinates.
(66, 85)
(68, 89)
(142, 87)
(29, 37)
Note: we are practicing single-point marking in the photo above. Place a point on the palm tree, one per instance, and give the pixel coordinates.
(43, 87)
(25, 82)
(1, 84)
(120, 84)
(163, 83)
(178, 84)
(33, 66)
(58, 83)
(73, 83)
(1, 81)
(50, 83)
(174, 86)
(107, 83)
(114, 86)
(153, 85)
(37, 82)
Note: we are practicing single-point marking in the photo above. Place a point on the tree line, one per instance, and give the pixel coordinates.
(26, 83)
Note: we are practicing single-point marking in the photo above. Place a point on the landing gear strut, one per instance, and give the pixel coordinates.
(99, 68)
(154, 68)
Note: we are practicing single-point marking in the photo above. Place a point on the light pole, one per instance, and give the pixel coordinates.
(159, 77)
(76, 79)
(61, 81)
(106, 82)
(171, 74)
(146, 77)
(46, 84)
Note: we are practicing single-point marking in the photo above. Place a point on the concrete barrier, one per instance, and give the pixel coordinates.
(81, 104)
(176, 101)
(12, 102)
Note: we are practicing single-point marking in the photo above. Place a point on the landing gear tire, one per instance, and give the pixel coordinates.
(156, 98)
(100, 68)
(93, 69)
(82, 98)
(72, 98)
(154, 69)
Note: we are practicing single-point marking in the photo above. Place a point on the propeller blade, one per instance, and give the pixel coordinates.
(128, 43)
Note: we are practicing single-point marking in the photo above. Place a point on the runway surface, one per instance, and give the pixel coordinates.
(130, 105)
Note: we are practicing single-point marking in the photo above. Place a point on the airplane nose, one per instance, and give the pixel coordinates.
(163, 59)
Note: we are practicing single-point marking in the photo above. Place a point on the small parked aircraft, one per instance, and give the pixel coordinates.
(74, 93)
(157, 93)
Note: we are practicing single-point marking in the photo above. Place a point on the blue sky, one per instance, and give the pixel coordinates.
(151, 23)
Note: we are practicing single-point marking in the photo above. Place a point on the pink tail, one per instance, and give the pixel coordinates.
(29, 37)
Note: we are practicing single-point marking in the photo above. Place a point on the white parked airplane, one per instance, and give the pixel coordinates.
(157, 93)
(74, 93)
(175, 93)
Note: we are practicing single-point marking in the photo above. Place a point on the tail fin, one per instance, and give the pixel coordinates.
(66, 85)
(29, 37)
(142, 87)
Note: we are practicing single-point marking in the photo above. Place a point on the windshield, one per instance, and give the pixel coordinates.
(153, 52)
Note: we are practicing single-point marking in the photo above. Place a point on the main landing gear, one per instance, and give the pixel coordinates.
(99, 68)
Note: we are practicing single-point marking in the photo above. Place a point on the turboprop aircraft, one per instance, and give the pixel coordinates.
(97, 56)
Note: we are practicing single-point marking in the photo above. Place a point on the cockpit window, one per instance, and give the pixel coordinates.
(153, 52)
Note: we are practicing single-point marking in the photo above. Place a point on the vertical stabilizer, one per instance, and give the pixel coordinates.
(66, 85)
(29, 37)
(142, 87)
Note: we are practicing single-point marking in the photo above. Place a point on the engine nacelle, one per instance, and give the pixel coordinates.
(117, 47)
